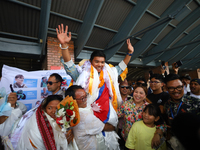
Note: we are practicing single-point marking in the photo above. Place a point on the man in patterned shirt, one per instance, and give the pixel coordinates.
(178, 102)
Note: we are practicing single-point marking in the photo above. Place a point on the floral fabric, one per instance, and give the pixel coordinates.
(130, 114)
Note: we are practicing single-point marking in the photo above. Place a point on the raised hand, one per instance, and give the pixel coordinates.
(175, 68)
(130, 47)
(62, 35)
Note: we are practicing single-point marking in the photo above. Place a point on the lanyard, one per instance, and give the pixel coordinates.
(177, 110)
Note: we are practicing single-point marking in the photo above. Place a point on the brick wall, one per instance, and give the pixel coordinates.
(54, 52)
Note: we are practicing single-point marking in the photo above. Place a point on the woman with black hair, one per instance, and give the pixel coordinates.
(41, 131)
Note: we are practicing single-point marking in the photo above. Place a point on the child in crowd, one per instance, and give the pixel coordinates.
(142, 132)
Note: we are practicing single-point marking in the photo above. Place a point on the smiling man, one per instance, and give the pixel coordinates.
(195, 88)
(99, 80)
(178, 103)
(89, 132)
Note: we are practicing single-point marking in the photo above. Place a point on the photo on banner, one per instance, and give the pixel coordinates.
(30, 86)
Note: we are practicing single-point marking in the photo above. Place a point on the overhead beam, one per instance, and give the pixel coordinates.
(20, 36)
(85, 54)
(191, 56)
(149, 37)
(44, 22)
(173, 35)
(190, 49)
(193, 64)
(169, 55)
(88, 24)
(127, 26)
(18, 46)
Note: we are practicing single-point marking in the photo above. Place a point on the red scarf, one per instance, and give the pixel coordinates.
(45, 129)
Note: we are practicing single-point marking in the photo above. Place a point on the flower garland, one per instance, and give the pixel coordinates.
(101, 79)
(114, 101)
(92, 78)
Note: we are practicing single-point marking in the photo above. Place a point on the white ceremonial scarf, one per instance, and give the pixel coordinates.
(31, 131)
(83, 80)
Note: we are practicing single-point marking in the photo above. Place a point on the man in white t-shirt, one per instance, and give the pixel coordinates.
(195, 88)
(186, 83)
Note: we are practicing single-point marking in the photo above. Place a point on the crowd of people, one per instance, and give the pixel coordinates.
(161, 113)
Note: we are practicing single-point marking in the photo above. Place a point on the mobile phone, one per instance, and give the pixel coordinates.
(150, 72)
(163, 65)
(178, 63)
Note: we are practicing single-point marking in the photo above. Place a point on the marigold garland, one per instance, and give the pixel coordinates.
(91, 80)
(101, 79)
(114, 102)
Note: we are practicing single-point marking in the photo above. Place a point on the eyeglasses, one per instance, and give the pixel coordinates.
(127, 87)
(141, 84)
(171, 89)
(50, 82)
(83, 99)
(154, 82)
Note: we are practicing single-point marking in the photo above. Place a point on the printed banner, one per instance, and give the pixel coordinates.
(31, 87)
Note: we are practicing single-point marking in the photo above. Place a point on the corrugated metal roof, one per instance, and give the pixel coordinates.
(113, 13)
(20, 20)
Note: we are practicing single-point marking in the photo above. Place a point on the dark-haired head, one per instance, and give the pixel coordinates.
(72, 90)
(97, 54)
(57, 76)
(153, 110)
(158, 77)
(50, 98)
(141, 81)
(79, 94)
(174, 87)
(171, 77)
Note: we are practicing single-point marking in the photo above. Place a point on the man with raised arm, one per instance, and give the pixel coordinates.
(99, 79)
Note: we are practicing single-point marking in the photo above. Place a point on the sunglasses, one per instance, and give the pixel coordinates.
(50, 82)
(127, 87)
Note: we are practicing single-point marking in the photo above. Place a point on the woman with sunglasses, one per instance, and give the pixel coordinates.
(41, 131)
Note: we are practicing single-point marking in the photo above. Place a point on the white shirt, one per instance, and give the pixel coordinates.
(193, 95)
(87, 129)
